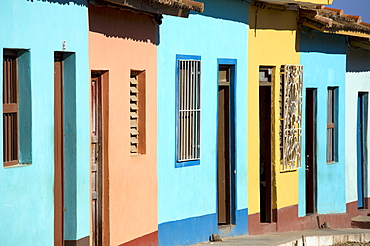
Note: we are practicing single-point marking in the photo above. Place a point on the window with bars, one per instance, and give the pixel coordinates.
(137, 112)
(291, 85)
(17, 108)
(331, 151)
(188, 110)
(10, 108)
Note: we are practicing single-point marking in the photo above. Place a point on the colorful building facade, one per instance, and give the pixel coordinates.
(45, 175)
(202, 83)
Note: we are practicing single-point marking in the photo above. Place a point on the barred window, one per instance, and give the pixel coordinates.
(291, 117)
(188, 111)
(331, 127)
(10, 108)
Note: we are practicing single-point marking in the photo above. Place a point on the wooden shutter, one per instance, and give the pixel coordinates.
(10, 108)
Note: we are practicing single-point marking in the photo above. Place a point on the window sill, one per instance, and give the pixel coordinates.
(16, 165)
(332, 162)
(187, 163)
(136, 155)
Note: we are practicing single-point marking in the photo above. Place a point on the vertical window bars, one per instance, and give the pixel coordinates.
(330, 148)
(188, 131)
(291, 110)
(137, 112)
(10, 108)
(134, 114)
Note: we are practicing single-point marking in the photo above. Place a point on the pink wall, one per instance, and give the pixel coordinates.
(118, 42)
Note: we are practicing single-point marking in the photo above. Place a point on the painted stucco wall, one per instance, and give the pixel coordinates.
(324, 59)
(357, 80)
(272, 42)
(187, 196)
(118, 42)
(27, 200)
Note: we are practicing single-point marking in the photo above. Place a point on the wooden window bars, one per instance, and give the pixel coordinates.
(10, 108)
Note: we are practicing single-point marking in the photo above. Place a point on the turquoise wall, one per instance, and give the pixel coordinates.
(191, 192)
(357, 80)
(324, 59)
(27, 200)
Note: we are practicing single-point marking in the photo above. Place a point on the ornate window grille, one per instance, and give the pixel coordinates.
(291, 116)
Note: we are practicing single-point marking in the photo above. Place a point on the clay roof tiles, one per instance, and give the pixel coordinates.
(333, 20)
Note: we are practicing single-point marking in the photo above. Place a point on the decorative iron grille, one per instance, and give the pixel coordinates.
(291, 106)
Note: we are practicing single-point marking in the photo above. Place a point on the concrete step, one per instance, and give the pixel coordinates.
(361, 221)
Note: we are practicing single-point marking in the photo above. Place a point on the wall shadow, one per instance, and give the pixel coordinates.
(315, 41)
(234, 10)
(116, 23)
(63, 2)
(358, 60)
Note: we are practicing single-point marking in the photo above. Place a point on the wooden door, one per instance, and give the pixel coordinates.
(223, 156)
(361, 153)
(225, 165)
(58, 151)
(96, 159)
(310, 151)
(265, 154)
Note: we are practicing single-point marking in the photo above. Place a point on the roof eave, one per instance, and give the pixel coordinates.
(169, 7)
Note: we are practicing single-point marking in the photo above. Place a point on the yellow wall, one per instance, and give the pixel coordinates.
(272, 42)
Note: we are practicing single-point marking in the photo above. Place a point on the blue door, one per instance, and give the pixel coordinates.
(361, 127)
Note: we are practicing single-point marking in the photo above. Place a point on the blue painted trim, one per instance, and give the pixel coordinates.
(198, 229)
(187, 163)
(187, 231)
(186, 57)
(179, 164)
(233, 66)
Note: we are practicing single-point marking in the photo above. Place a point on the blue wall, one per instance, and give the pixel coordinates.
(27, 200)
(187, 196)
(324, 61)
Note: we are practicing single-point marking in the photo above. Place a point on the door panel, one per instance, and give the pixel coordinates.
(361, 148)
(58, 151)
(96, 160)
(225, 161)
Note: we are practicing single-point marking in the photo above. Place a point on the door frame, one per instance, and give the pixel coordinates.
(104, 87)
(232, 63)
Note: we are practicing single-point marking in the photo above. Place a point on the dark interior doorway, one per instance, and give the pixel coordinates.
(265, 84)
(311, 151)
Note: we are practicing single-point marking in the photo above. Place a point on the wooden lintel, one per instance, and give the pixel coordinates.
(150, 7)
(313, 24)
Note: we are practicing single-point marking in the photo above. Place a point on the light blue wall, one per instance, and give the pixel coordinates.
(324, 61)
(357, 80)
(27, 200)
(220, 32)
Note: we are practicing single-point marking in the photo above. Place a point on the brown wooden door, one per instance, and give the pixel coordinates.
(265, 154)
(58, 151)
(96, 159)
(223, 156)
(310, 150)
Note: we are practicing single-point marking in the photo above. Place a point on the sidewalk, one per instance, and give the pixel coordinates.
(298, 238)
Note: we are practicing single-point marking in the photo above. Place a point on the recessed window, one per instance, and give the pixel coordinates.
(331, 149)
(188, 111)
(137, 112)
(16, 108)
